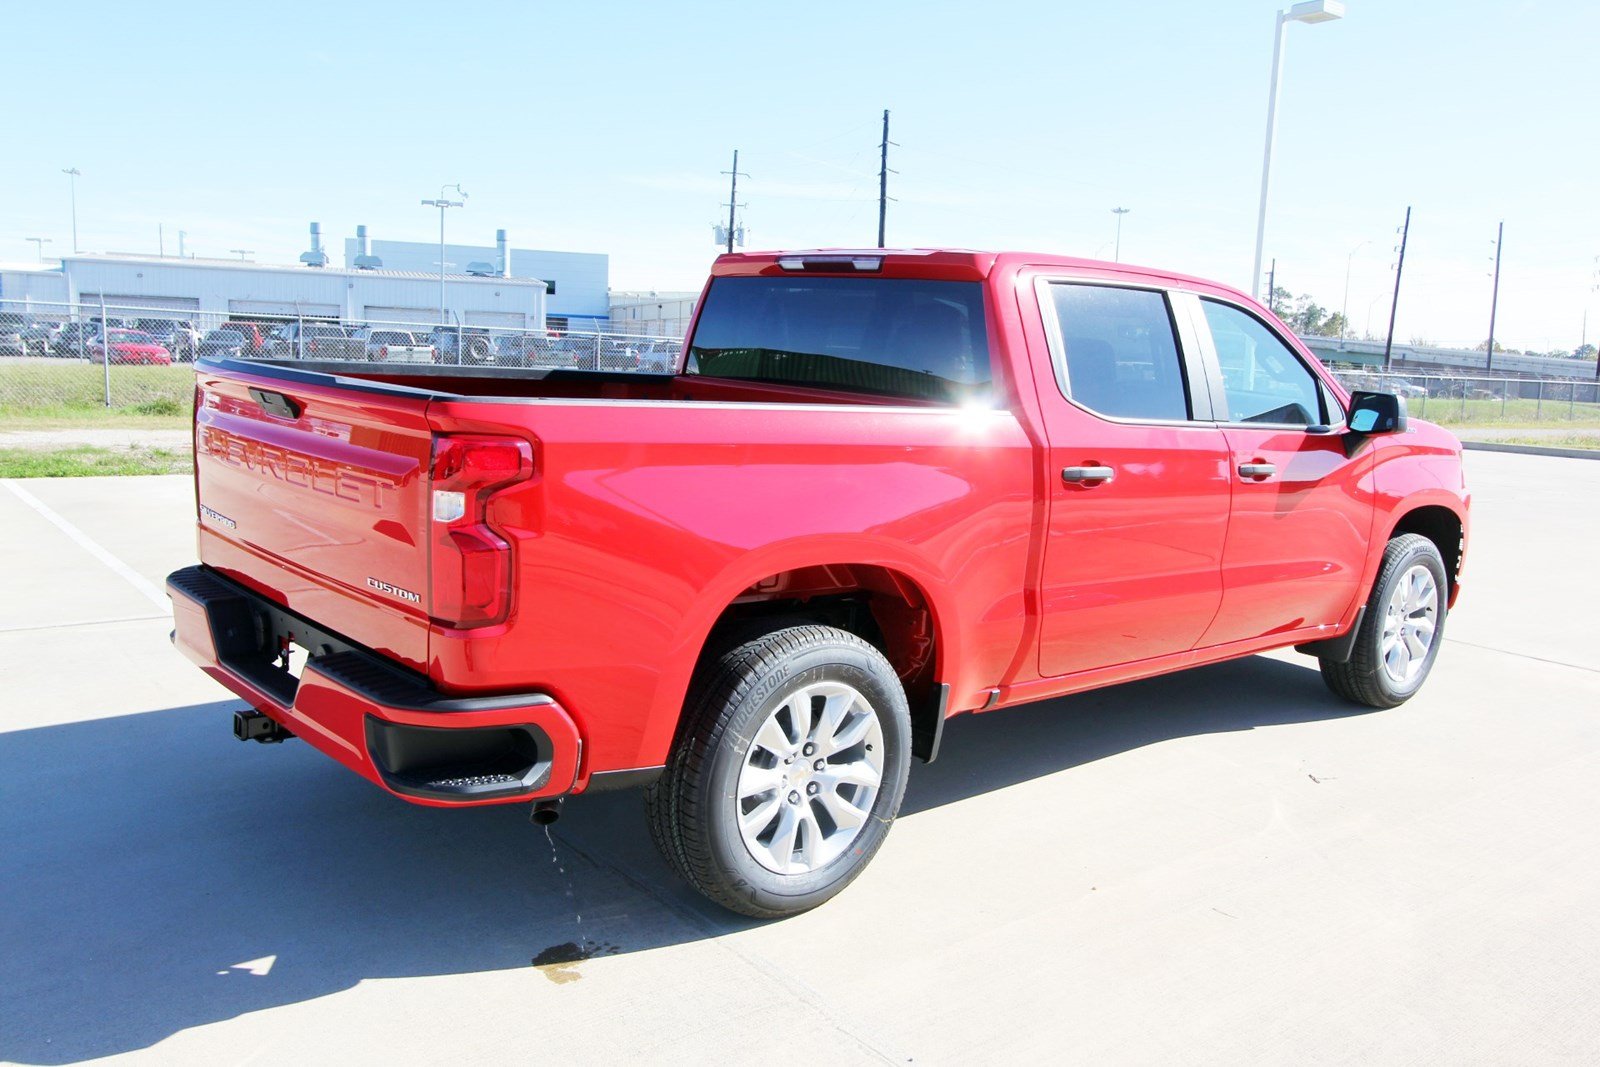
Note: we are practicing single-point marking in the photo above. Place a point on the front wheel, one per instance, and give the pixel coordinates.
(788, 774)
(1401, 630)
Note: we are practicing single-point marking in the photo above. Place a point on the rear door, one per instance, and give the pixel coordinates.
(1138, 506)
(1301, 519)
(316, 495)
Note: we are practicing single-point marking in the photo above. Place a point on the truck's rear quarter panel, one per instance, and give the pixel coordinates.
(644, 520)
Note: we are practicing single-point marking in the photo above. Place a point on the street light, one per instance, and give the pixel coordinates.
(1344, 310)
(1119, 212)
(441, 204)
(39, 243)
(1311, 12)
(72, 174)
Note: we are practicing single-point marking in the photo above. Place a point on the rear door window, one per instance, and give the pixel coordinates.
(1116, 352)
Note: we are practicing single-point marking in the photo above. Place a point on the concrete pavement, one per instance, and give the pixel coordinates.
(1222, 866)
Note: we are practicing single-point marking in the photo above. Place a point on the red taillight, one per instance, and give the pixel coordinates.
(383, 352)
(471, 571)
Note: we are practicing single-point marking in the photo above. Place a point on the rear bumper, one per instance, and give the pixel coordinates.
(384, 722)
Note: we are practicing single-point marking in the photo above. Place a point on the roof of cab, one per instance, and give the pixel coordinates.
(952, 264)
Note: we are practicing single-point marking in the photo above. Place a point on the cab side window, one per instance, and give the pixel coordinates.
(1118, 354)
(1263, 379)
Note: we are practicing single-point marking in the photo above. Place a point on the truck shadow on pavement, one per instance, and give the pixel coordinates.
(158, 876)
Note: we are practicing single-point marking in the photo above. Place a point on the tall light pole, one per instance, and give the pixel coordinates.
(72, 174)
(39, 243)
(1344, 309)
(1311, 12)
(441, 204)
(1119, 212)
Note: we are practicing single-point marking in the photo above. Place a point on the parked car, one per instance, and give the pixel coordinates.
(225, 343)
(129, 346)
(74, 339)
(38, 339)
(253, 333)
(11, 338)
(465, 344)
(397, 346)
(886, 488)
(312, 340)
(532, 350)
(1406, 388)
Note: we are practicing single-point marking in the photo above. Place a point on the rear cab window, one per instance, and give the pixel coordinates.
(894, 337)
(1115, 351)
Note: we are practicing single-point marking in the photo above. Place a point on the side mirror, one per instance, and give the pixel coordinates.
(1372, 414)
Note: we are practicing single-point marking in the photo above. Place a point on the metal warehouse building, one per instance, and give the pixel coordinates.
(579, 280)
(212, 290)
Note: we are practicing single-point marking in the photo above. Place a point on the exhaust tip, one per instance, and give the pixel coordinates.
(545, 812)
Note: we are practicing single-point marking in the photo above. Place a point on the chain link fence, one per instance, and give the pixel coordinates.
(67, 361)
(60, 359)
(1461, 400)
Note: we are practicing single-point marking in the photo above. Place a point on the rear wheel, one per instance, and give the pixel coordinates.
(1401, 630)
(788, 774)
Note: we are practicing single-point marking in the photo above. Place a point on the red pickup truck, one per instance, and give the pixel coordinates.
(879, 489)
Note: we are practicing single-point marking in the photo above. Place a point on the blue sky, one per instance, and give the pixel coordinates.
(602, 127)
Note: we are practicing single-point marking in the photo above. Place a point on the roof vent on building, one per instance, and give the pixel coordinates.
(480, 269)
(365, 260)
(316, 257)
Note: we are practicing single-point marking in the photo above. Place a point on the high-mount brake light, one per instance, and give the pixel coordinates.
(831, 263)
(472, 559)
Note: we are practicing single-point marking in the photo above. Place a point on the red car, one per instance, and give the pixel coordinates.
(130, 346)
(881, 489)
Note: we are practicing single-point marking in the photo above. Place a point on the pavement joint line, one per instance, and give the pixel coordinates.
(1523, 655)
(84, 541)
(82, 622)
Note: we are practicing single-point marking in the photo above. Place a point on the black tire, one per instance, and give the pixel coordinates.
(1363, 679)
(692, 808)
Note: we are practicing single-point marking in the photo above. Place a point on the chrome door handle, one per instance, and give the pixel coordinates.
(1078, 475)
(1257, 470)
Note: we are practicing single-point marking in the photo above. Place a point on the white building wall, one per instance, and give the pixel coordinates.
(219, 288)
(652, 314)
(581, 277)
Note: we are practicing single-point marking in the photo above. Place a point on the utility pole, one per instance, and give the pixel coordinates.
(38, 244)
(733, 200)
(1494, 301)
(1272, 287)
(1593, 288)
(1394, 305)
(883, 177)
(1119, 212)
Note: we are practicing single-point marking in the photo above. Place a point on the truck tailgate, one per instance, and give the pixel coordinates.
(316, 495)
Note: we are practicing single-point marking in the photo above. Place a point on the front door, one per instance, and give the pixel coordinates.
(1302, 517)
(1138, 492)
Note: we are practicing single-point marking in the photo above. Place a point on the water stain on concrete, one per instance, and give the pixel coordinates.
(559, 963)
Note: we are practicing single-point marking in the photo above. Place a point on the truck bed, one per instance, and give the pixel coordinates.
(555, 383)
